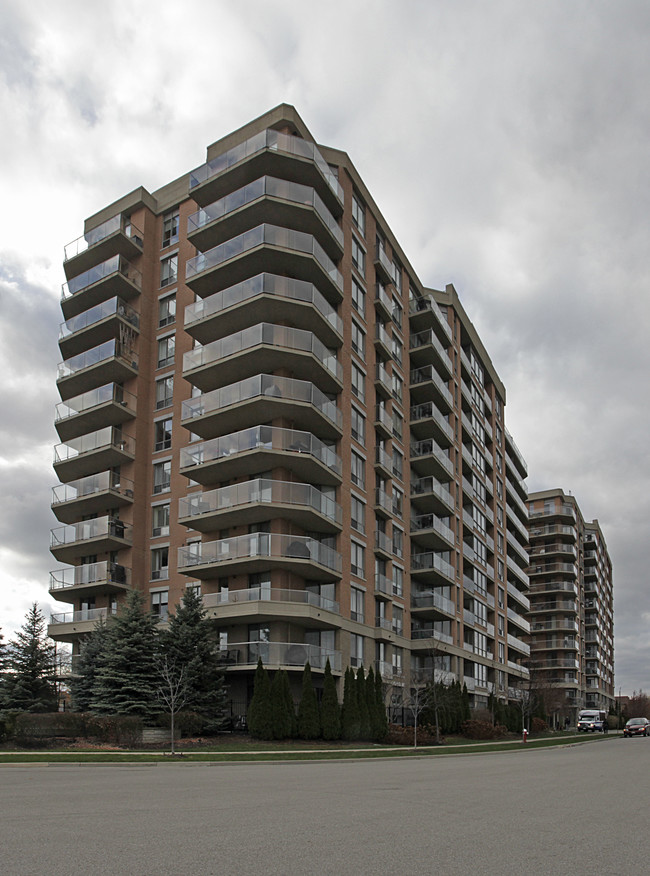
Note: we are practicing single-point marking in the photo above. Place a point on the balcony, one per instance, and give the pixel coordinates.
(426, 421)
(427, 495)
(519, 620)
(546, 548)
(383, 381)
(265, 248)
(383, 544)
(261, 399)
(280, 655)
(92, 453)
(248, 503)
(262, 348)
(115, 237)
(267, 152)
(95, 326)
(426, 385)
(383, 503)
(383, 302)
(428, 458)
(108, 405)
(383, 586)
(518, 458)
(518, 645)
(114, 277)
(383, 421)
(71, 625)
(383, 462)
(518, 596)
(426, 349)
(431, 568)
(269, 200)
(260, 449)
(78, 582)
(563, 605)
(558, 623)
(559, 510)
(424, 314)
(431, 603)
(383, 341)
(517, 571)
(97, 536)
(276, 299)
(110, 362)
(91, 495)
(383, 265)
(537, 569)
(430, 532)
(278, 603)
(260, 552)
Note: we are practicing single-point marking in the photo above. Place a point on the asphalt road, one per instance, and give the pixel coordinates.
(575, 810)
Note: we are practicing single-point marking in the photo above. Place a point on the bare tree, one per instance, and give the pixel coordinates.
(416, 703)
(171, 691)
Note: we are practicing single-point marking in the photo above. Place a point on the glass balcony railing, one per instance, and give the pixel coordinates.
(428, 411)
(106, 229)
(427, 305)
(428, 373)
(428, 338)
(86, 614)
(270, 335)
(90, 573)
(420, 486)
(86, 530)
(271, 438)
(271, 235)
(115, 265)
(422, 562)
(110, 392)
(263, 284)
(428, 447)
(113, 307)
(112, 349)
(271, 187)
(432, 599)
(429, 522)
(109, 436)
(273, 546)
(260, 490)
(270, 594)
(273, 141)
(88, 486)
(282, 654)
(267, 385)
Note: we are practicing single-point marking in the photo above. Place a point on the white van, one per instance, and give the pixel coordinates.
(592, 721)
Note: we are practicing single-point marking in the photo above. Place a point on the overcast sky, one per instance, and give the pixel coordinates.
(505, 142)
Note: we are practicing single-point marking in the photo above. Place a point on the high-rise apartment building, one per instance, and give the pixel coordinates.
(260, 399)
(571, 606)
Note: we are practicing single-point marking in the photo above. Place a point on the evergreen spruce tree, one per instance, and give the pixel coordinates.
(382, 717)
(82, 683)
(190, 646)
(289, 705)
(364, 717)
(308, 717)
(260, 723)
(280, 715)
(29, 683)
(126, 676)
(350, 711)
(4, 662)
(330, 711)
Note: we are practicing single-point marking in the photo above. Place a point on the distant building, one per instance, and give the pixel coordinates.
(261, 399)
(571, 606)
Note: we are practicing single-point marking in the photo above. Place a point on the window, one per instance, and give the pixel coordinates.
(500, 489)
(356, 650)
(357, 559)
(357, 470)
(166, 351)
(500, 542)
(398, 581)
(398, 463)
(170, 228)
(480, 550)
(162, 472)
(397, 313)
(358, 426)
(499, 462)
(164, 392)
(501, 597)
(500, 570)
(480, 674)
(396, 348)
(357, 598)
(168, 270)
(397, 275)
(398, 387)
(167, 311)
(160, 604)
(478, 458)
(477, 368)
(358, 340)
(480, 520)
(502, 653)
(479, 488)
(358, 298)
(398, 542)
(160, 564)
(398, 620)
(480, 613)
(397, 660)
(163, 434)
(358, 256)
(358, 383)
(501, 624)
(398, 501)
(359, 215)
(357, 514)
(398, 424)
(160, 520)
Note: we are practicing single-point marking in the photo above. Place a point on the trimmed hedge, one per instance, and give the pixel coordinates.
(35, 730)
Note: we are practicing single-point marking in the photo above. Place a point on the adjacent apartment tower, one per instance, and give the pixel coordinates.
(571, 607)
(261, 400)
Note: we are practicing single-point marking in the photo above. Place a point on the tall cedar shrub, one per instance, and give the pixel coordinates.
(350, 722)
(330, 710)
(280, 716)
(364, 717)
(29, 681)
(189, 644)
(382, 717)
(290, 706)
(260, 723)
(308, 717)
(126, 676)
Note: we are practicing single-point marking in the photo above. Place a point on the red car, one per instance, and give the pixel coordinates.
(637, 727)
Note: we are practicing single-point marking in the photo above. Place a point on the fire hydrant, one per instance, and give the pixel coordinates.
(525, 735)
